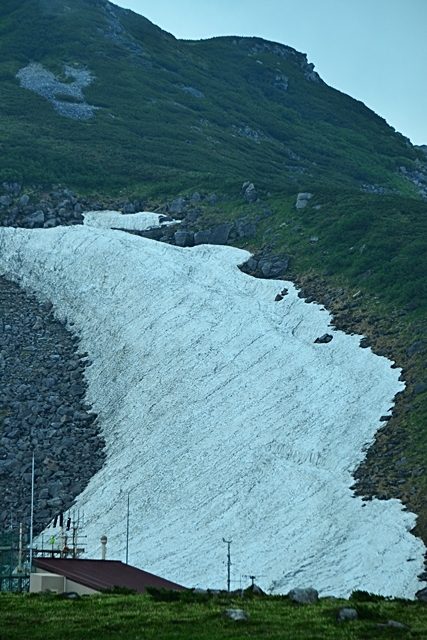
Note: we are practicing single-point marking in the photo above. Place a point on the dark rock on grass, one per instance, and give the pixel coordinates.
(303, 596)
(221, 234)
(273, 266)
(178, 206)
(420, 387)
(417, 347)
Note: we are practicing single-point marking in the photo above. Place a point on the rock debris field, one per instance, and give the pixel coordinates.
(42, 402)
(222, 417)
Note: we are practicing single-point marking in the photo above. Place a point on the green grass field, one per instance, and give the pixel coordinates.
(48, 617)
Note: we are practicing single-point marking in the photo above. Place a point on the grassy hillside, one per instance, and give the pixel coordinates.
(181, 112)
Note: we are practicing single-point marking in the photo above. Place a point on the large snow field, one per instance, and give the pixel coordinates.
(222, 418)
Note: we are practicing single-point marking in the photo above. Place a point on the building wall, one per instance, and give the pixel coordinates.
(41, 581)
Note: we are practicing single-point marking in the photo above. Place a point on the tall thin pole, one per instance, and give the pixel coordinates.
(32, 513)
(228, 543)
(127, 532)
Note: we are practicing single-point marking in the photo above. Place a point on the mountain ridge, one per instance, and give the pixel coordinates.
(177, 117)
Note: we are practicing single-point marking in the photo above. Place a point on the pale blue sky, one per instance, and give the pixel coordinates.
(374, 50)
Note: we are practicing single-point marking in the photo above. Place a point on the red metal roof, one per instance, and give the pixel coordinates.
(104, 574)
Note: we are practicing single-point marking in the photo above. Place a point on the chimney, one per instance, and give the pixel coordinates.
(103, 547)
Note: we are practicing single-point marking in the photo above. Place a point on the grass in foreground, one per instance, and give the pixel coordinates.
(138, 617)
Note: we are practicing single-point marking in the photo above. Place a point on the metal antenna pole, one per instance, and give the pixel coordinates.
(127, 532)
(32, 513)
(228, 543)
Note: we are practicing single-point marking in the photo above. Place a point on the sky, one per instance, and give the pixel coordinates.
(373, 50)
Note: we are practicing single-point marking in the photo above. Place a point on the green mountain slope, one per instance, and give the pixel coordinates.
(218, 109)
(101, 100)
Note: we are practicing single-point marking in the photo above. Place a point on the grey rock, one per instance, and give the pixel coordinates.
(420, 388)
(193, 215)
(273, 266)
(250, 194)
(252, 264)
(417, 347)
(78, 208)
(77, 390)
(245, 229)
(304, 596)
(184, 238)
(238, 615)
(49, 224)
(213, 199)
(202, 237)
(221, 234)
(421, 595)
(346, 614)
(177, 206)
(6, 201)
(23, 201)
(393, 624)
(195, 198)
(36, 218)
(13, 188)
(128, 208)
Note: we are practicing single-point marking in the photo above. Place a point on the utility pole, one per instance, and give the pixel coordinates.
(127, 532)
(228, 543)
(32, 513)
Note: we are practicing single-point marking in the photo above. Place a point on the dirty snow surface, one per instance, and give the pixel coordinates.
(222, 418)
(130, 222)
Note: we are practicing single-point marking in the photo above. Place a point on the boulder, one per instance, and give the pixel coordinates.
(250, 194)
(184, 238)
(302, 200)
(303, 596)
(128, 208)
(393, 624)
(12, 187)
(195, 198)
(238, 615)
(273, 266)
(177, 206)
(213, 199)
(202, 237)
(245, 229)
(6, 201)
(421, 595)
(420, 388)
(23, 201)
(34, 219)
(417, 347)
(221, 234)
(345, 614)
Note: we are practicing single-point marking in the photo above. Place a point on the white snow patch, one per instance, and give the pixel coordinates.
(222, 418)
(131, 222)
